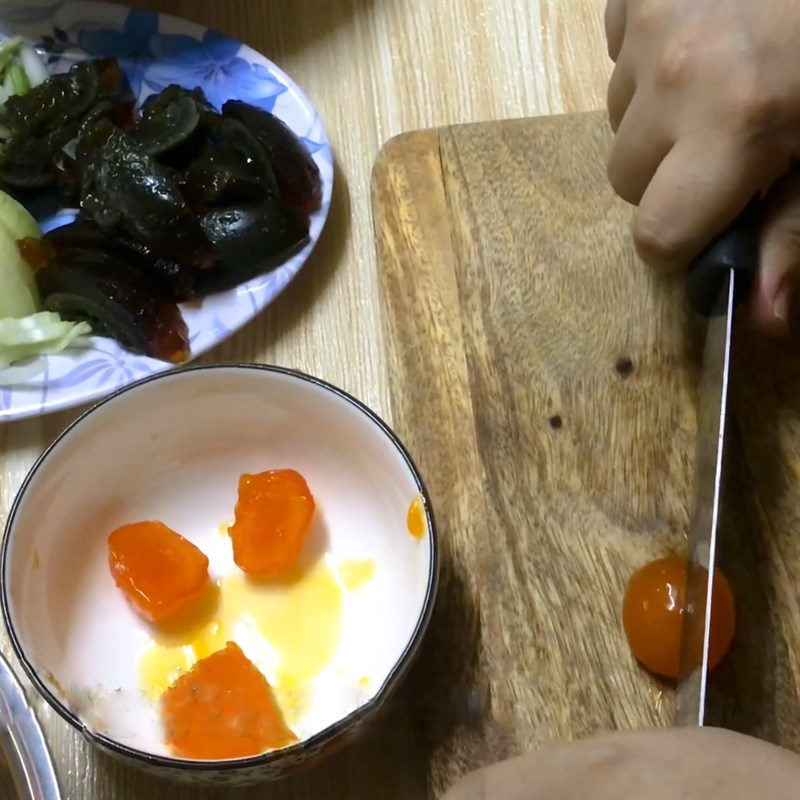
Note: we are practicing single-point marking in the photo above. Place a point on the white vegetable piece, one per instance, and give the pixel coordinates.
(21, 68)
(33, 65)
(44, 332)
(18, 294)
(24, 330)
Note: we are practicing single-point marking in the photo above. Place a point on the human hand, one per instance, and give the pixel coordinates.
(690, 764)
(705, 103)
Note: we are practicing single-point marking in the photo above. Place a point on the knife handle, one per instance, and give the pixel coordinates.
(735, 249)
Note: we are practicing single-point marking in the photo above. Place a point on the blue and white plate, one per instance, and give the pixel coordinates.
(155, 50)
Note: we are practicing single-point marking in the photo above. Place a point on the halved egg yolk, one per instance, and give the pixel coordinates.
(653, 611)
(162, 574)
(272, 521)
(223, 708)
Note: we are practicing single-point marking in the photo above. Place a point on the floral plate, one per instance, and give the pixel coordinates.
(155, 50)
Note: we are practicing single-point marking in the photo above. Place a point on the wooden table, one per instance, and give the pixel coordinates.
(373, 68)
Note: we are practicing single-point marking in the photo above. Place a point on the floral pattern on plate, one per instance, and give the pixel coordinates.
(156, 50)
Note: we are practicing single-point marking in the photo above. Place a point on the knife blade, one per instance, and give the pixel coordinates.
(717, 281)
(712, 408)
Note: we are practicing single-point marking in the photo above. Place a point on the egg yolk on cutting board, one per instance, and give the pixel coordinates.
(653, 613)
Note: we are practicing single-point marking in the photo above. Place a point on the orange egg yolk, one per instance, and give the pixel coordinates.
(223, 708)
(415, 519)
(653, 610)
(272, 521)
(162, 574)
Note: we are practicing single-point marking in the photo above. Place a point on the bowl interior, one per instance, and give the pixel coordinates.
(172, 449)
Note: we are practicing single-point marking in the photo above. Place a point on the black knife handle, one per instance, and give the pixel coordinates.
(735, 249)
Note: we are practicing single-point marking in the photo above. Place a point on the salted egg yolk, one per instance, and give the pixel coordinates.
(223, 708)
(653, 610)
(290, 628)
(272, 522)
(162, 574)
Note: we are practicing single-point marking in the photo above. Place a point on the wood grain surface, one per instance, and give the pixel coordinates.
(546, 382)
(373, 69)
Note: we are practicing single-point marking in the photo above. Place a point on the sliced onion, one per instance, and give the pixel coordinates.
(33, 65)
(43, 332)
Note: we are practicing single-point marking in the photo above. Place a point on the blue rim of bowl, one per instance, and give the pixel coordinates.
(271, 757)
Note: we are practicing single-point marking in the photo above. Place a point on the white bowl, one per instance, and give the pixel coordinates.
(171, 448)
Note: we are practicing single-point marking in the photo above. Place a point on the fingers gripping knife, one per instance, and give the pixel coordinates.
(717, 282)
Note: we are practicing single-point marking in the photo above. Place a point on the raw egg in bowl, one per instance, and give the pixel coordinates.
(220, 572)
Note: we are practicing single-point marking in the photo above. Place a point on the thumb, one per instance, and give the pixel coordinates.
(779, 257)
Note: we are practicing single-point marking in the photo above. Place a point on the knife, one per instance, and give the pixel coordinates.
(718, 280)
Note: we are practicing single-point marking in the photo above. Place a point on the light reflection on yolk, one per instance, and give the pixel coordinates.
(290, 629)
(672, 598)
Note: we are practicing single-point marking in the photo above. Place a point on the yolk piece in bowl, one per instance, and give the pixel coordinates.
(162, 574)
(223, 708)
(272, 521)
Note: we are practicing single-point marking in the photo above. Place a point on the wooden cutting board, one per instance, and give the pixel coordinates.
(545, 381)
